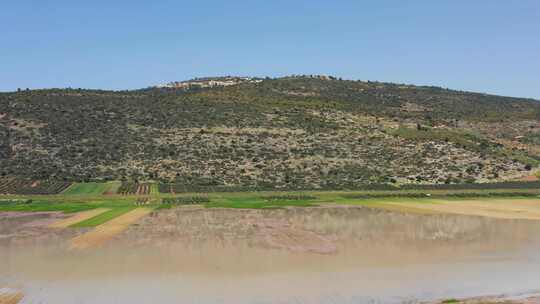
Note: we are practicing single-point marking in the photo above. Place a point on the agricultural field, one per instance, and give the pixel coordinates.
(92, 188)
(135, 188)
(108, 225)
(103, 217)
(161, 228)
(80, 217)
(226, 236)
(272, 187)
(143, 231)
(154, 189)
(29, 187)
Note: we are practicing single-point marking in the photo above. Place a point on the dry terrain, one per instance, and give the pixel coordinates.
(326, 254)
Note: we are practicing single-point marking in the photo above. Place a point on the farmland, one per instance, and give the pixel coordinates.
(103, 217)
(177, 238)
(103, 205)
(135, 188)
(30, 187)
(91, 188)
(120, 197)
(127, 224)
(78, 218)
(135, 168)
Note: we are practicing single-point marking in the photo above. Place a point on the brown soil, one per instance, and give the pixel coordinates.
(504, 209)
(312, 230)
(25, 228)
(346, 250)
(104, 232)
(529, 178)
(10, 297)
(280, 234)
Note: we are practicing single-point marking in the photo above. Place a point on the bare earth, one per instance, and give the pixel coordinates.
(108, 230)
(498, 300)
(9, 296)
(328, 254)
(503, 209)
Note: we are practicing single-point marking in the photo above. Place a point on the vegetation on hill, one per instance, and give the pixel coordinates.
(286, 133)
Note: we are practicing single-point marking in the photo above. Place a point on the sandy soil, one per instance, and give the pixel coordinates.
(104, 232)
(281, 235)
(318, 230)
(16, 214)
(9, 296)
(503, 209)
(502, 299)
(78, 217)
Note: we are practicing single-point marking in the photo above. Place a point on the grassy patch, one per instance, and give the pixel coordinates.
(63, 203)
(298, 197)
(103, 217)
(14, 201)
(40, 206)
(443, 195)
(258, 203)
(86, 188)
(154, 189)
(112, 187)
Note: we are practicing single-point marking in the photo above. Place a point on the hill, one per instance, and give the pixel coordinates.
(298, 132)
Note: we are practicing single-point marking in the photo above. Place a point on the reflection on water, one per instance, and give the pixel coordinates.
(308, 255)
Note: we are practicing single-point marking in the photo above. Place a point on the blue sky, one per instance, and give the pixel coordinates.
(482, 45)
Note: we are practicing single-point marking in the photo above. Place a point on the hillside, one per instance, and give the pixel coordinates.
(285, 133)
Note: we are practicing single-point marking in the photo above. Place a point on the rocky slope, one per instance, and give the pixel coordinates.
(302, 132)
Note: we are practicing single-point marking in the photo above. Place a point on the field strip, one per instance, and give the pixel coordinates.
(402, 207)
(112, 188)
(104, 232)
(8, 296)
(515, 207)
(512, 209)
(67, 190)
(86, 189)
(103, 217)
(79, 217)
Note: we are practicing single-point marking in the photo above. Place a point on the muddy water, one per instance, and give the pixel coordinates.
(301, 255)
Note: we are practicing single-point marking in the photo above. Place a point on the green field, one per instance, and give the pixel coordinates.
(86, 196)
(87, 188)
(67, 203)
(46, 205)
(104, 217)
(154, 189)
(258, 203)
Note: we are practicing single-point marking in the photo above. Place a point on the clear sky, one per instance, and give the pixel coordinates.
(479, 45)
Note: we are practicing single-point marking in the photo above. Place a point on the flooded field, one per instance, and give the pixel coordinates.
(326, 254)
